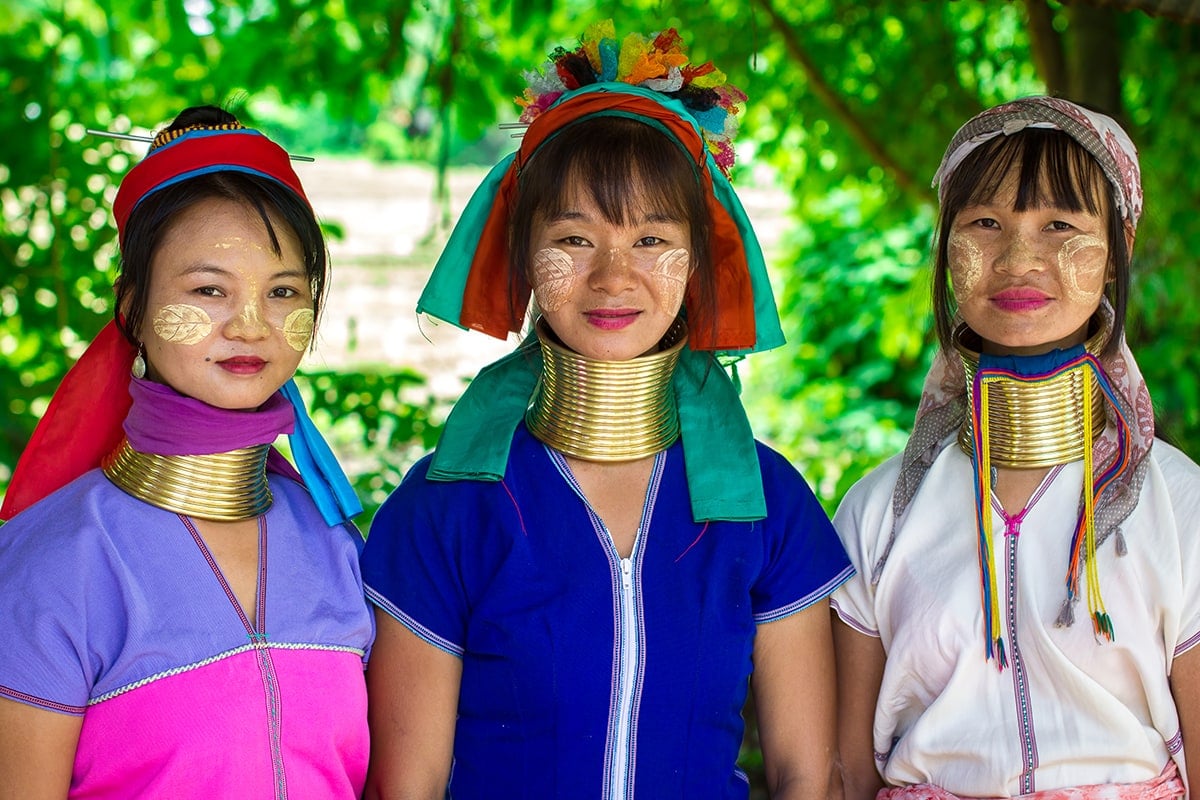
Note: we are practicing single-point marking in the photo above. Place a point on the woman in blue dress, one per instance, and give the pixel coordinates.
(574, 589)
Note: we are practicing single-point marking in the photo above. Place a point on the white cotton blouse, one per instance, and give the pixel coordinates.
(1069, 710)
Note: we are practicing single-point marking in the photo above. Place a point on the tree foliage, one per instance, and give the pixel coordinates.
(851, 103)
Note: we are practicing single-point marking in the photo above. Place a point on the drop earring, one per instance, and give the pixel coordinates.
(139, 363)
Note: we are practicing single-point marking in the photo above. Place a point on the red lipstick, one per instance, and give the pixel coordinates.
(243, 365)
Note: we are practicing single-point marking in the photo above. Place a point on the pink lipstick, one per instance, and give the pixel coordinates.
(1020, 300)
(612, 319)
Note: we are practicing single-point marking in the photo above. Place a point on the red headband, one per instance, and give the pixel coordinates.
(198, 152)
(485, 309)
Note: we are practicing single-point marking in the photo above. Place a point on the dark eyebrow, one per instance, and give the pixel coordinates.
(298, 274)
(572, 215)
(662, 218)
(210, 269)
(206, 269)
(567, 215)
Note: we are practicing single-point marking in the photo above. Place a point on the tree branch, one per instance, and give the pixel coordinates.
(1179, 10)
(833, 101)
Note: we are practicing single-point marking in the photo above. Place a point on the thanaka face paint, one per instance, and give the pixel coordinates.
(595, 280)
(249, 321)
(553, 278)
(670, 278)
(297, 329)
(1042, 274)
(1082, 260)
(239, 242)
(180, 323)
(966, 265)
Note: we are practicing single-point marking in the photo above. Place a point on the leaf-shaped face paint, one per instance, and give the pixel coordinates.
(670, 278)
(182, 324)
(553, 278)
(298, 328)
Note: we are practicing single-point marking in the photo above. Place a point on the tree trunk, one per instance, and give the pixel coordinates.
(1094, 58)
(1047, 47)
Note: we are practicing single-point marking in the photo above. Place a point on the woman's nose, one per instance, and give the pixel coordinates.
(248, 324)
(614, 272)
(1019, 256)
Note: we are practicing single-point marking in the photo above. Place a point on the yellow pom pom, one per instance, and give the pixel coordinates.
(526, 99)
(591, 39)
(709, 81)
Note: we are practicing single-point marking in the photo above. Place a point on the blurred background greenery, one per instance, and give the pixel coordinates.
(851, 105)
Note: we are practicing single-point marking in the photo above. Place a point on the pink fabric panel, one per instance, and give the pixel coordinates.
(1166, 786)
(207, 732)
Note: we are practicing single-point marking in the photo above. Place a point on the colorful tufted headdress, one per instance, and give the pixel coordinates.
(96, 388)
(177, 155)
(659, 63)
(649, 80)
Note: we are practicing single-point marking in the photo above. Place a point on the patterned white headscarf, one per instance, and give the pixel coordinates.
(1099, 135)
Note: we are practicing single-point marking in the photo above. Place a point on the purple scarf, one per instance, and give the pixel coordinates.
(164, 422)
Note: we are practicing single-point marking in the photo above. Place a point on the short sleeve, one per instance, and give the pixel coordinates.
(864, 521)
(412, 563)
(1182, 480)
(55, 606)
(804, 560)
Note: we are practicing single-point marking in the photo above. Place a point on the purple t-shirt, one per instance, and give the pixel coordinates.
(112, 609)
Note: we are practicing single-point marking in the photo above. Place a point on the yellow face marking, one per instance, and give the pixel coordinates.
(238, 242)
(553, 278)
(180, 323)
(966, 265)
(250, 320)
(1020, 253)
(297, 329)
(1081, 259)
(670, 274)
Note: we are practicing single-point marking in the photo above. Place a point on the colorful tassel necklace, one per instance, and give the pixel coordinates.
(1057, 402)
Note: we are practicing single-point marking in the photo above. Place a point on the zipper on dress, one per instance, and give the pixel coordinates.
(630, 657)
(621, 734)
(1024, 707)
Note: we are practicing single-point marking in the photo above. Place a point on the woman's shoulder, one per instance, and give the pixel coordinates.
(418, 490)
(776, 467)
(872, 489)
(1171, 459)
(1179, 473)
(89, 503)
